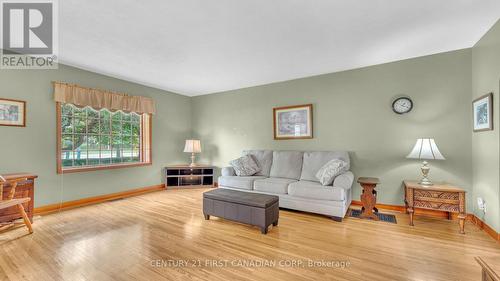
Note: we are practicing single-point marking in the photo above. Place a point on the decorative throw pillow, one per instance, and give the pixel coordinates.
(245, 166)
(330, 170)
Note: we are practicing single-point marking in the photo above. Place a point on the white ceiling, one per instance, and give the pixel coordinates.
(196, 47)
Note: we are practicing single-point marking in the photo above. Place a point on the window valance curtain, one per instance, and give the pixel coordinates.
(96, 98)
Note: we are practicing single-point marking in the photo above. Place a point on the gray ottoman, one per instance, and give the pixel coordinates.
(251, 208)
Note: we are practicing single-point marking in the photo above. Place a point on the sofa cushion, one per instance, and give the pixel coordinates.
(314, 190)
(228, 171)
(238, 182)
(263, 158)
(314, 160)
(245, 166)
(330, 171)
(272, 185)
(286, 164)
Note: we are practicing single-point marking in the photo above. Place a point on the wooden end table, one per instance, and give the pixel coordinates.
(368, 197)
(490, 268)
(23, 189)
(439, 197)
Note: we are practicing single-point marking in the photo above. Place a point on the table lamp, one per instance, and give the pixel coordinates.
(192, 146)
(425, 149)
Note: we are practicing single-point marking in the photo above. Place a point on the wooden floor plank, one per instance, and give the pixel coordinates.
(145, 237)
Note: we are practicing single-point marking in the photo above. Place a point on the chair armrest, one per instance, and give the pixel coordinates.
(228, 171)
(344, 180)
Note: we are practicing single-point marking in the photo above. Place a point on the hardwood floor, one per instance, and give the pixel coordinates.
(145, 237)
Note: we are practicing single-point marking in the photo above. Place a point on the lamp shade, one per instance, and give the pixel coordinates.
(425, 149)
(192, 146)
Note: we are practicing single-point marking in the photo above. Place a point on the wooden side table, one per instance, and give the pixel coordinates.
(368, 197)
(440, 197)
(23, 189)
(490, 268)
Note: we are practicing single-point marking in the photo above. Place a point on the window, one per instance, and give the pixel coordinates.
(90, 139)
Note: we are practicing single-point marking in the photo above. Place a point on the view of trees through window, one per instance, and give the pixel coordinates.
(92, 137)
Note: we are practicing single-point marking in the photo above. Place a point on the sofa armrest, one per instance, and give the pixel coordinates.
(344, 180)
(228, 171)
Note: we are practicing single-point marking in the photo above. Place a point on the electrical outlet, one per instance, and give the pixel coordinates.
(481, 204)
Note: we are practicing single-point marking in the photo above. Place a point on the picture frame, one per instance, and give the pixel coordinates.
(12, 113)
(293, 122)
(482, 113)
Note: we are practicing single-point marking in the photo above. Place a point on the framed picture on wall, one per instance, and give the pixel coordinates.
(12, 113)
(293, 122)
(482, 110)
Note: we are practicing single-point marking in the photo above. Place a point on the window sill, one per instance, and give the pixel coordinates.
(97, 168)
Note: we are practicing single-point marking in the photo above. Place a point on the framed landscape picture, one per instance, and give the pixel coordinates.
(12, 113)
(293, 122)
(482, 110)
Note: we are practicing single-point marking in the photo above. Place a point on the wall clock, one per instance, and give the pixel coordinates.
(402, 105)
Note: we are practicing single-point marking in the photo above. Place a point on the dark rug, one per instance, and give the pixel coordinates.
(383, 217)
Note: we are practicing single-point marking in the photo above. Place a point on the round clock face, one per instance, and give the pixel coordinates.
(402, 105)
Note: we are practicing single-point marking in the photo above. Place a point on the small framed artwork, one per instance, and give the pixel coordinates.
(482, 110)
(12, 113)
(293, 122)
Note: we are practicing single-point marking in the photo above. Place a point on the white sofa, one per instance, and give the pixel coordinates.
(291, 175)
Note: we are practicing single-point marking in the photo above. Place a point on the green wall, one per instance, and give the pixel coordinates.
(485, 145)
(352, 111)
(33, 149)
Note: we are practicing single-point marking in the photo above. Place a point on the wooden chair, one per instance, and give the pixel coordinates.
(11, 201)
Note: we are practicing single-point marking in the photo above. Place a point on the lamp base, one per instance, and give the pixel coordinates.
(192, 160)
(425, 173)
(425, 182)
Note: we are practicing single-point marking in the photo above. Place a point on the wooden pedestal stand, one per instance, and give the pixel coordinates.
(368, 197)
